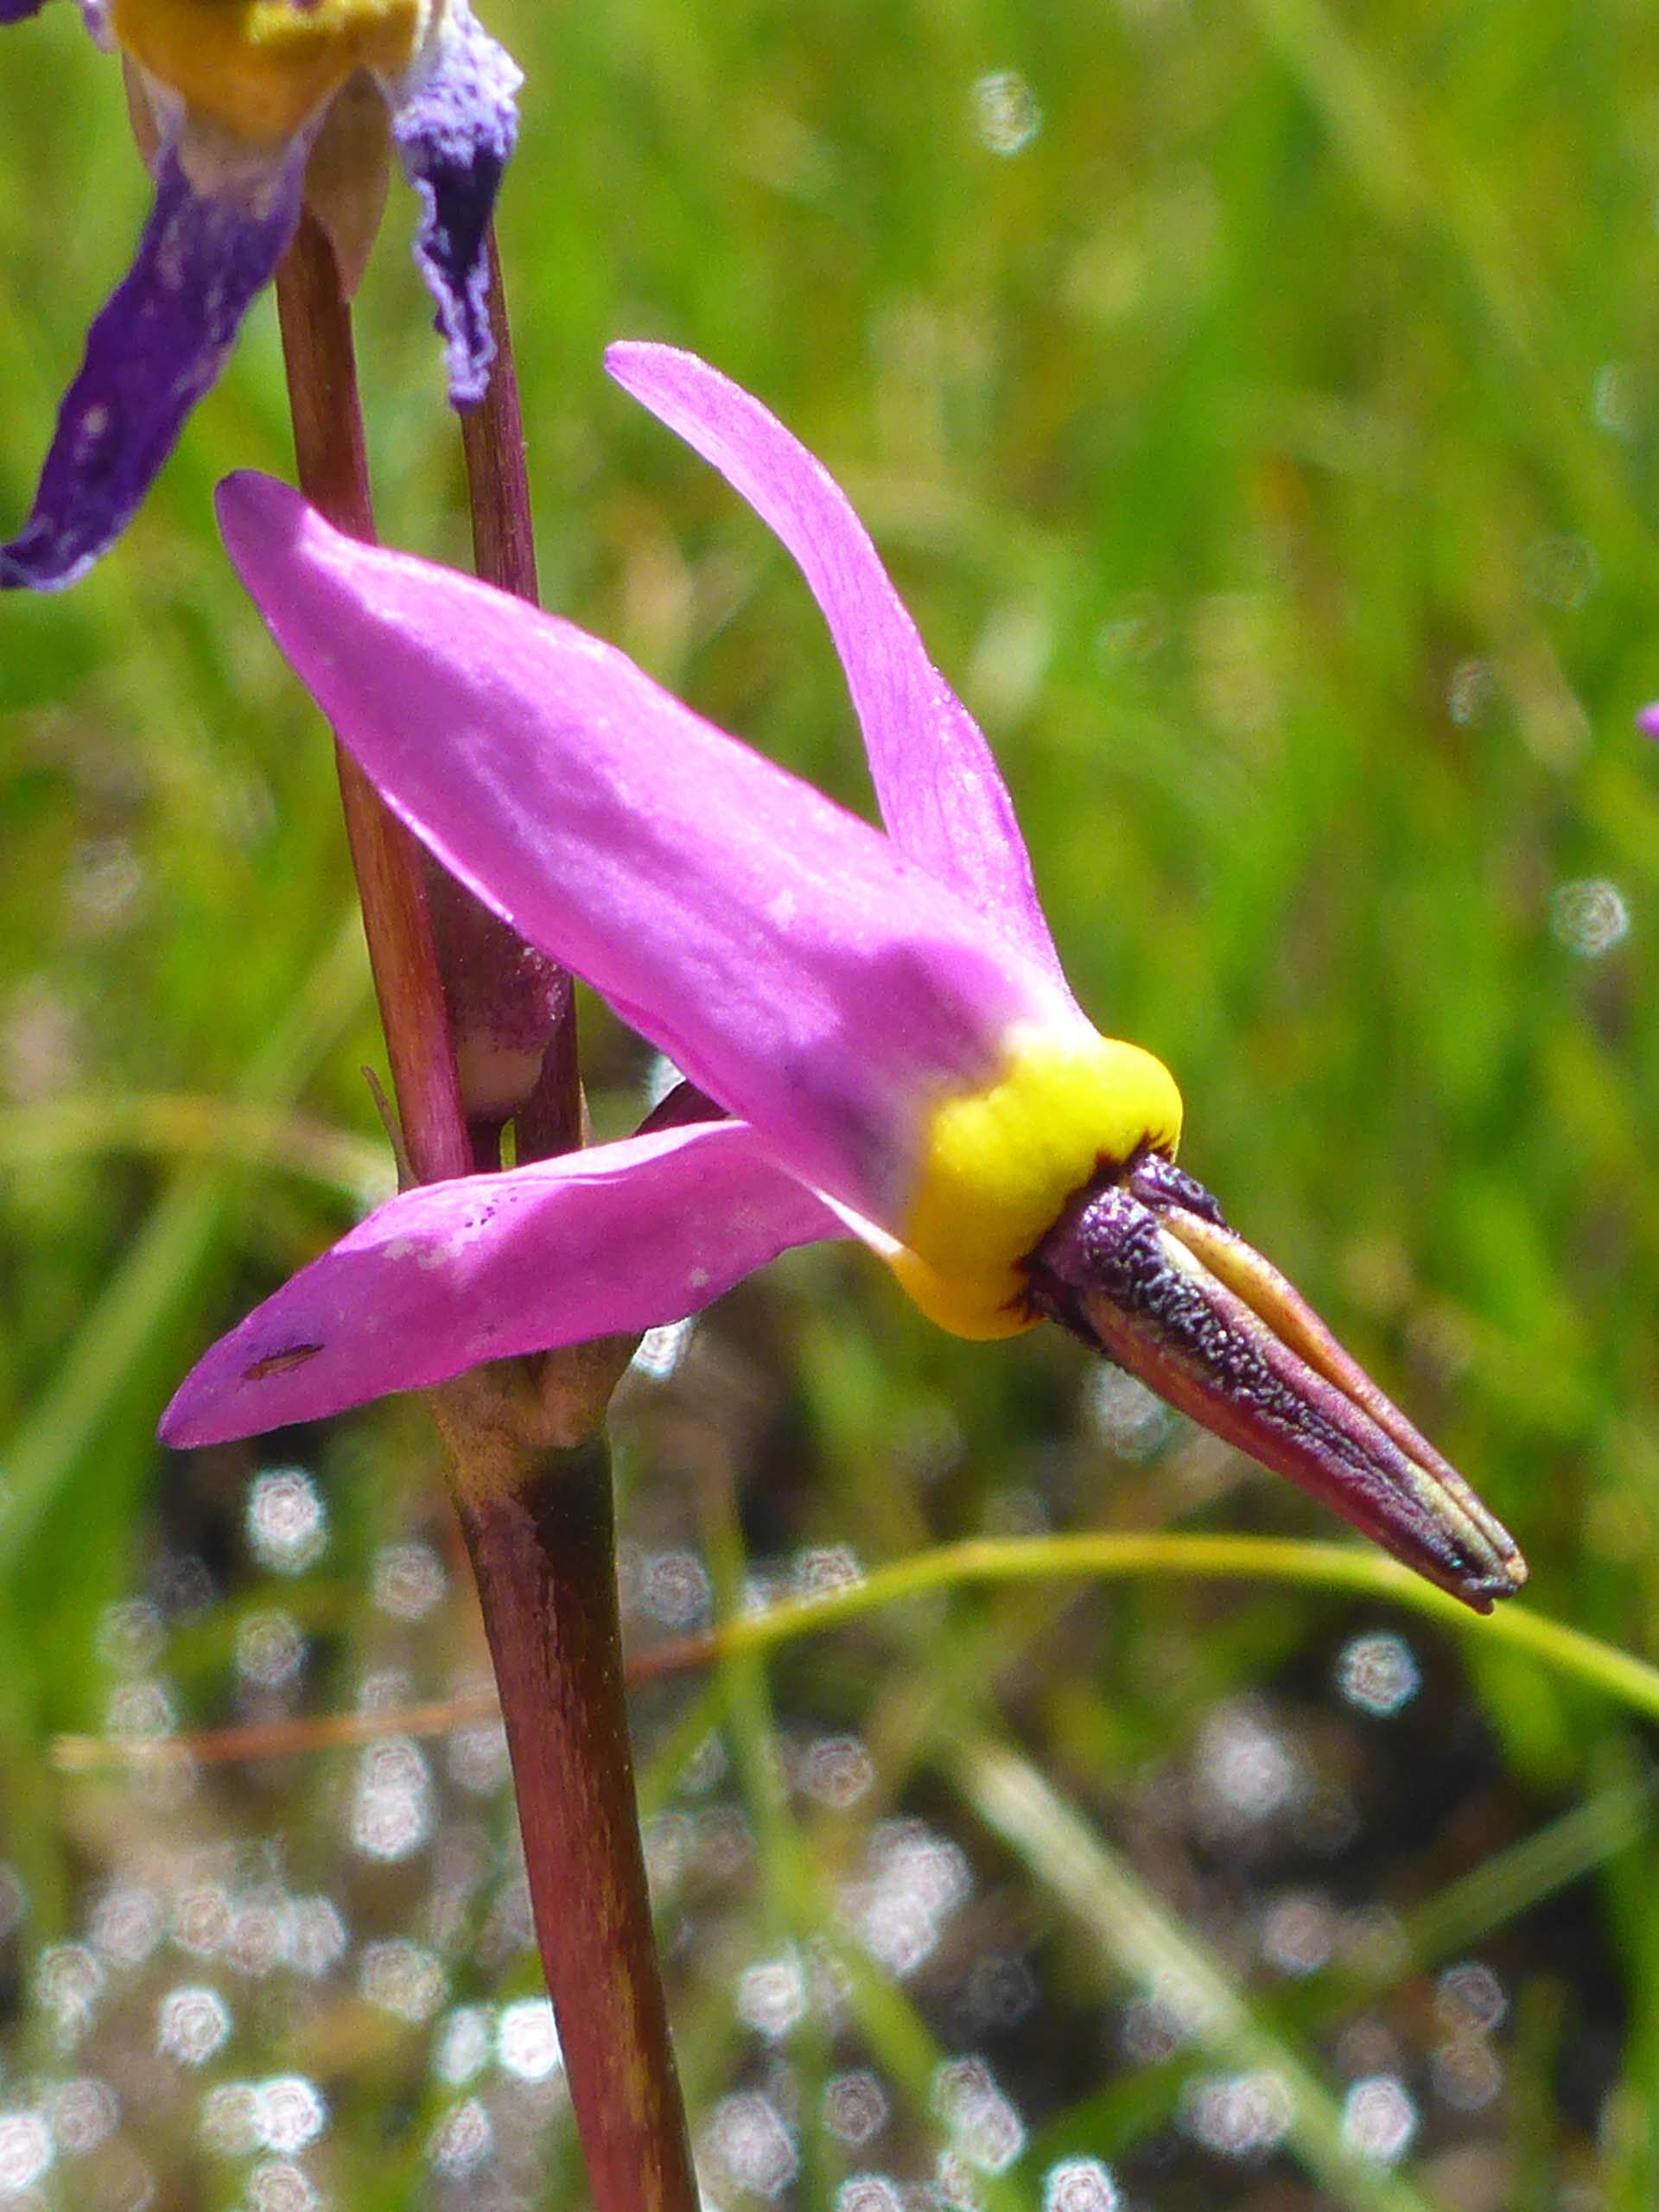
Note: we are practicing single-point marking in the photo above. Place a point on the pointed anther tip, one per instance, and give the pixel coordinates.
(1499, 1572)
(1482, 1590)
(1507, 1581)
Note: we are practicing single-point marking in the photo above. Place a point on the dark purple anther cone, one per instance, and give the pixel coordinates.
(1145, 1268)
(1158, 1182)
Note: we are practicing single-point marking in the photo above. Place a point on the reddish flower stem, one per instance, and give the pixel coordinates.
(390, 865)
(538, 1517)
(544, 1551)
(545, 1558)
(497, 476)
(549, 1117)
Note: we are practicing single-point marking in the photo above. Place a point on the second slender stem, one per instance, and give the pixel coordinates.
(492, 442)
(550, 1118)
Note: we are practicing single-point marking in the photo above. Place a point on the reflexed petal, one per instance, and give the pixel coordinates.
(1648, 720)
(152, 353)
(455, 122)
(441, 1279)
(941, 793)
(13, 11)
(776, 948)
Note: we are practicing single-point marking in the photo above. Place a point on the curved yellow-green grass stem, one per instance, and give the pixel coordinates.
(1337, 1569)
(1582, 1658)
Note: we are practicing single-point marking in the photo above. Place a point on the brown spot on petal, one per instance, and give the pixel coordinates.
(280, 1363)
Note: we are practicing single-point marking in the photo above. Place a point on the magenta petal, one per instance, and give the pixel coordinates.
(1648, 720)
(441, 1279)
(778, 949)
(941, 793)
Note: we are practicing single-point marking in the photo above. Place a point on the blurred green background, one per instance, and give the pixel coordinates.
(1259, 408)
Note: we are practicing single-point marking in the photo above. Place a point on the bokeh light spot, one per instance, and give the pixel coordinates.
(1589, 916)
(408, 1581)
(856, 2107)
(289, 2111)
(1237, 2115)
(751, 2141)
(1379, 2118)
(1080, 2185)
(402, 1978)
(193, 2023)
(464, 2141)
(1378, 1673)
(527, 2041)
(391, 1804)
(988, 2131)
(1007, 116)
(26, 2150)
(771, 1996)
(1470, 1998)
(286, 1520)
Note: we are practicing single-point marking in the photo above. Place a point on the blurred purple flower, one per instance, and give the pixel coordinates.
(882, 1020)
(233, 99)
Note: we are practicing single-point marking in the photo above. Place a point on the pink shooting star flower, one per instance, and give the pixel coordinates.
(882, 1022)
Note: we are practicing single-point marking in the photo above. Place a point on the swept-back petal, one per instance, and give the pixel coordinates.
(778, 949)
(455, 122)
(941, 793)
(13, 11)
(151, 353)
(436, 1281)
